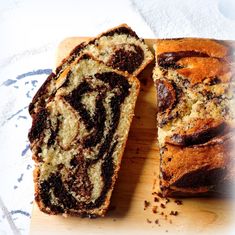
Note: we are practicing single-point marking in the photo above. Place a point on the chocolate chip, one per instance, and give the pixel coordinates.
(169, 59)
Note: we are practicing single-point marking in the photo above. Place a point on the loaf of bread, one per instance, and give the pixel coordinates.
(195, 86)
(119, 48)
(78, 136)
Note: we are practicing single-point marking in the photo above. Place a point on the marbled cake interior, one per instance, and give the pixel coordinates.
(79, 140)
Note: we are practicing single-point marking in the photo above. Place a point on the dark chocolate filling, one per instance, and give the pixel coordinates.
(198, 138)
(169, 59)
(55, 185)
(107, 174)
(127, 60)
(166, 95)
(78, 180)
(201, 178)
(38, 125)
(74, 99)
(99, 123)
(53, 135)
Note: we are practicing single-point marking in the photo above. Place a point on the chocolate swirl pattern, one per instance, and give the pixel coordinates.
(79, 141)
(194, 81)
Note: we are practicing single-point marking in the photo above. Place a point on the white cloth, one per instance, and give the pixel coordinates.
(30, 33)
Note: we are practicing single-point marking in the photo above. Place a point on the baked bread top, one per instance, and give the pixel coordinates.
(195, 85)
(195, 89)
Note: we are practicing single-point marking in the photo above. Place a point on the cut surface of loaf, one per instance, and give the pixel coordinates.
(78, 137)
(195, 86)
(119, 48)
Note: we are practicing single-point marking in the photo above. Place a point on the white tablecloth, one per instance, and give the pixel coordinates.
(30, 33)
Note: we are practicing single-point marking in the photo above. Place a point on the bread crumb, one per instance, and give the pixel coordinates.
(178, 202)
(154, 209)
(146, 204)
(156, 199)
(175, 213)
(167, 200)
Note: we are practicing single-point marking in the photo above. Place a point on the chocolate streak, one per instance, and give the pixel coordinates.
(127, 60)
(198, 137)
(201, 177)
(169, 59)
(38, 125)
(166, 95)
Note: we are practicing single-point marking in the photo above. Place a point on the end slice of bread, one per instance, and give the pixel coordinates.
(78, 137)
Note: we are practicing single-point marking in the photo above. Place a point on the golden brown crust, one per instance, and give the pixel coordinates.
(211, 47)
(196, 59)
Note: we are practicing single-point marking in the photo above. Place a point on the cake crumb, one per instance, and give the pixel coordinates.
(160, 194)
(178, 202)
(167, 200)
(156, 221)
(146, 204)
(149, 221)
(175, 213)
(162, 206)
(156, 199)
(154, 209)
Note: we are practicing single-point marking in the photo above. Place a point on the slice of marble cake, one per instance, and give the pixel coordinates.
(78, 136)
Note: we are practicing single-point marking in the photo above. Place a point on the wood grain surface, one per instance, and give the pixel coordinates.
(138, 180)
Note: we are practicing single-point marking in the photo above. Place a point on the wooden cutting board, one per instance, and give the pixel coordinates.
(138, 179)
